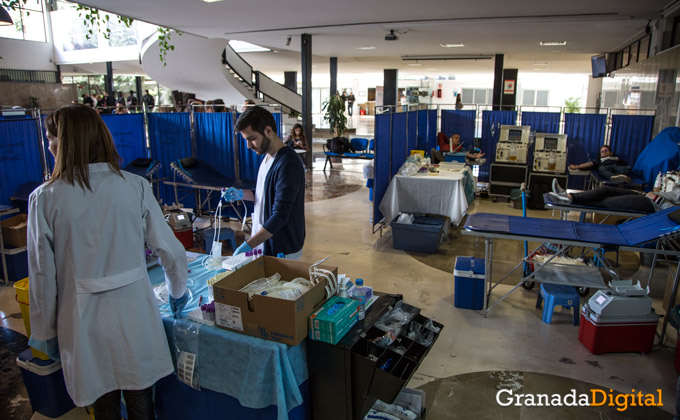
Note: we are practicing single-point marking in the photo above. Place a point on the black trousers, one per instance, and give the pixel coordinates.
(139, 405)
(614, 198)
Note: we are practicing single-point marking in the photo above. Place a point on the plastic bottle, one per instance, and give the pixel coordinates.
(359, 293)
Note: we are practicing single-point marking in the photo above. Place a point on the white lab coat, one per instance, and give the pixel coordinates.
(88, 281)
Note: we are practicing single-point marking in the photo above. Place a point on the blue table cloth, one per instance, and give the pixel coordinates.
(257, 372)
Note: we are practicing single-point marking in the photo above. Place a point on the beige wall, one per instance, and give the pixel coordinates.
(50, 95)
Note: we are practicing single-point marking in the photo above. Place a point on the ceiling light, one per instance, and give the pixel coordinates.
(365, 48)
(541, 63)
(210, 1)
(552, 43)
(391, 36)
(452, 45)
(414, 64)
(431, 69)
(447, 57)
(244, 47)
(5, 18)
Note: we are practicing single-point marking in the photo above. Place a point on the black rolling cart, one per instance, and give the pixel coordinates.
(346, 378)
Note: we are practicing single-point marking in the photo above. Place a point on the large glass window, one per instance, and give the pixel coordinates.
(29, 22)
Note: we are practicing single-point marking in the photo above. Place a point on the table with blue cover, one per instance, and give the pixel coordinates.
(240, 376)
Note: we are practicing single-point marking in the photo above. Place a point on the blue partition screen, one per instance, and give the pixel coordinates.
(489, 119)
(431, 129)
(128, 135)
(412, 134)
(542, 122)
(215, 141)
(19, 156)
(381, 173)
(170, 139)
(421, 144)
(461, 123)
(630, 135)
(398, 142)
(585, 135)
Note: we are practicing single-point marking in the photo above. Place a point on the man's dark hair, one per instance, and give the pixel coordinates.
(257, 118)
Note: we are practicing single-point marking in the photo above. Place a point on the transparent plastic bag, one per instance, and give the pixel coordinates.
(258, 286)
(185, 337)
(397, 318)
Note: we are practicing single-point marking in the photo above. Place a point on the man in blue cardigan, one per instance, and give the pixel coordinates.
(278, 222)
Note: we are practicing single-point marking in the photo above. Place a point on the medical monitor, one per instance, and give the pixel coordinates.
(551, 142)
(515, 133)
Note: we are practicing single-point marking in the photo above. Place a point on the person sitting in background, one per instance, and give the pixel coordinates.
(617, 198)
(608, 165)
(208, 107)
(297, 139)
(455, 145)
(248, 103)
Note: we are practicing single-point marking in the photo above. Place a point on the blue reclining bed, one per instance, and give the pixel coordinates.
(661, 228)
(197, 176)
(144, 167)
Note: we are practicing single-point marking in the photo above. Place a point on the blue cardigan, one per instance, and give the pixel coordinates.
(284, 204)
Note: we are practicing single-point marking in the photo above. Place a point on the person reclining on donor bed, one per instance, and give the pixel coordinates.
(609, 166)
(454, 146)
(617, 198)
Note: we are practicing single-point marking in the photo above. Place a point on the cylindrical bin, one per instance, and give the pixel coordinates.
(21, 288)
(468, 273)
(516, 197)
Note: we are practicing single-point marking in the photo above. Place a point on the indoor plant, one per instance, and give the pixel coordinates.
(334, 114)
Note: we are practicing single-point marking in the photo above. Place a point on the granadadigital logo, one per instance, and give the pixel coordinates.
(596, 398)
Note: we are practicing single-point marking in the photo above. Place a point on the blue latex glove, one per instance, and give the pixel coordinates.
(243, 248)
(232, 194)
(49, 347)
(177, 305)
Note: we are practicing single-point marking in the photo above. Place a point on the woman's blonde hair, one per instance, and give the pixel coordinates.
(82, 138)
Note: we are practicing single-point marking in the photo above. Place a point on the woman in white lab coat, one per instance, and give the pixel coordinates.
(91, 301)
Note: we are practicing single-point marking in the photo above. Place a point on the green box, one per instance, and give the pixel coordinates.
(333, 338)
(333, 315)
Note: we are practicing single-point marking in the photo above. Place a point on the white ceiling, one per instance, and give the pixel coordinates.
(338, 28)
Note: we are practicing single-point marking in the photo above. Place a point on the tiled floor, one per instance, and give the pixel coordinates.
(473, 355)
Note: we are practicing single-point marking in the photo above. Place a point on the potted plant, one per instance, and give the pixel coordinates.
(334, 114)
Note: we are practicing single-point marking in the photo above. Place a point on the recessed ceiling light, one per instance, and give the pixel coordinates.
(552, 43)
(541, 63)
(366, 48)
(431, 69)
(414, 64)
(452, 45)
(210, 1)
(244, 47)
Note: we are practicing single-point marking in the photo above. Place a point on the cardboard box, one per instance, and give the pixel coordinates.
(14, 230)
(281, 320)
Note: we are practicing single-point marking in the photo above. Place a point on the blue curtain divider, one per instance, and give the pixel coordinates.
(170, 139)
(542, 122)
(630, 135)
(461, 123)
(19, 156)
(398, 142)
(431, 129)
(422, 131)
(412, 135)
(585, 135)
(215, 143)
(381, 170)
(128, 135)
(490, 118)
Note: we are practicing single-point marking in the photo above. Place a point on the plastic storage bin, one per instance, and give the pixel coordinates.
(21, 289)
(455, 157)
(420, 236)
(469, 283)
(17, 265)
(45, 384)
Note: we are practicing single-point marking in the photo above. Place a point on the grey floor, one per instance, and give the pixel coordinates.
(473, 356)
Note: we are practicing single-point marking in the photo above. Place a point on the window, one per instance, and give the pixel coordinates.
(528, 97)
(535, 97)
(29, 22)
(477, 96)
(610, 99)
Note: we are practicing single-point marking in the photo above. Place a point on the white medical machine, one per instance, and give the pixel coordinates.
(550, 153)
(624, 299)
(513, 144)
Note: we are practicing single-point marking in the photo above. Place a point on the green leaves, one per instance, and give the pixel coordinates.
(334, 113)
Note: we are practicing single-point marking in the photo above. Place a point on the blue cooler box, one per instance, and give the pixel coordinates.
(455, 157)
(422, 235)
(469, 283)
(45, 385)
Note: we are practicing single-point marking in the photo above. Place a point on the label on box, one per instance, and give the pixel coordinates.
(228, 316)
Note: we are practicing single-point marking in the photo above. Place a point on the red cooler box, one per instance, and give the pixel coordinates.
(602, 334)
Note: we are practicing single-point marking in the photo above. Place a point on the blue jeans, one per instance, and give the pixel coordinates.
(139, 405)
(610, 170)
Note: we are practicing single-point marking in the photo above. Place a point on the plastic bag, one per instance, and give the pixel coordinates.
(185, 337)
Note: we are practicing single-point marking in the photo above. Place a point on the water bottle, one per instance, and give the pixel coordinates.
(359, 293)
